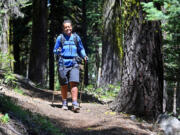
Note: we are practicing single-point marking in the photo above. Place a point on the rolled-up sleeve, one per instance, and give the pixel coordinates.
(81, 50)
(57, 46)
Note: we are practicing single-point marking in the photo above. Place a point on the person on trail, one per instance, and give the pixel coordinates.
(70, 49)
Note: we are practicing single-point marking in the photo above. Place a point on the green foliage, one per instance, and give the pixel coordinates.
(25, 3)
(41, 123)
(107, 93)
(169, 13)
(5, 118)
(22, 35)
(57, 85)
(6, 59)
(152, 12)
(94, 37)
(9, 79)
(169, 16)
(18, 90)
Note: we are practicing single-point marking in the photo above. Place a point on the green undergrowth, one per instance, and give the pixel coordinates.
(5, 62)
(4, 119)
(18, 90)
(9, 79)
(36, 123)
(103, 93)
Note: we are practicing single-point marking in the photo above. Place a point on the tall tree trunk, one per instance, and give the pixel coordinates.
(112, 43)
(56, 19)
(174, 99)
(38, 55)
(98, 64)
(178, 93)
(10, 8)
(4, 37)
(142, 76)
(16, 48)
(84, 32)
(165, 96)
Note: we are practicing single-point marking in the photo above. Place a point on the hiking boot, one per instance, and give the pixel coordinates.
(64, 107)
(75, 107)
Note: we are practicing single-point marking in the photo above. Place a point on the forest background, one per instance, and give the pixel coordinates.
(133, 48)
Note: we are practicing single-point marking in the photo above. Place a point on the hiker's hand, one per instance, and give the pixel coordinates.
(86, 58)
(59, 49)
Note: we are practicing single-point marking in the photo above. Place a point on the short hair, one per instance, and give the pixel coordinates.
(66, 21)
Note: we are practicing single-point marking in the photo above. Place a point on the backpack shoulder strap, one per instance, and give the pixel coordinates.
(75, 36)
(62, 39)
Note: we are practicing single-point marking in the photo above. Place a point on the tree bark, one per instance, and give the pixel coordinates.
(178, 94)
(38, 55)
(10, 9)
(175, 99)
(112, 43)
(56, 19)
(142, 76)
(165, 96)
(16, 48)
(84, 33)
(4, 39)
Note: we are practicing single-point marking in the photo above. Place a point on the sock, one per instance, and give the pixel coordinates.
(75, 103)
(64, 102)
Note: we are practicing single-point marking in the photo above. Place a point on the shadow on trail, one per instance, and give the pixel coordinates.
(77, 124)
(46, 94)
(96, 129)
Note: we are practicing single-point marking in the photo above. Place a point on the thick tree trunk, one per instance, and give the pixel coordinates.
(56, 17)
(112, 43)
(38, 55)
(142, 76)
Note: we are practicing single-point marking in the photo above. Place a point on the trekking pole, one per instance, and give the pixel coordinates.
(82, 85)
(53, 89)
(53, 97)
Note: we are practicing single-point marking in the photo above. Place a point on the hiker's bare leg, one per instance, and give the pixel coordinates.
(64, 90)
(74, 91)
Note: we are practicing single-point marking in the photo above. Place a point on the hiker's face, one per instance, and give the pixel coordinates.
(67, 28)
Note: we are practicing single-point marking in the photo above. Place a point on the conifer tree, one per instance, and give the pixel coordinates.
(9, 8)
(142, 75)
(38, 55)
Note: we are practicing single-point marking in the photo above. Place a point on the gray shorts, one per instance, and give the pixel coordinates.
(68, 74)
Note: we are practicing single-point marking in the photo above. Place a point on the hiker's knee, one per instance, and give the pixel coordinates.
(73, 84)
(63, 87)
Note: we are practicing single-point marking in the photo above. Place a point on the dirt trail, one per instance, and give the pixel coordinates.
(93, 119)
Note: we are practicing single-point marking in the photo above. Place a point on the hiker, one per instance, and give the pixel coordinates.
(69, 48)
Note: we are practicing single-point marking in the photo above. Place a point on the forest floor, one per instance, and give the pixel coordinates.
(93, 118)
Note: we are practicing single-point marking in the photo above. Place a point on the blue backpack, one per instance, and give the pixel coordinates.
(63, 39)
